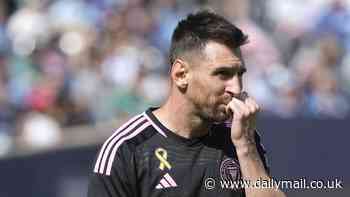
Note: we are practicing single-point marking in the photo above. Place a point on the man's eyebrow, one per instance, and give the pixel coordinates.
(241, 68)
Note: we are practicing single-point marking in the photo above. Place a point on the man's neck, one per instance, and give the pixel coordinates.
(181, 119)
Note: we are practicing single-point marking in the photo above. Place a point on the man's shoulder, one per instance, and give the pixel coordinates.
(122, 143)
(133, 132)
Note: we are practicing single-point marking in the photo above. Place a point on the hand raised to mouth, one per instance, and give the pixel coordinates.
(244, 110)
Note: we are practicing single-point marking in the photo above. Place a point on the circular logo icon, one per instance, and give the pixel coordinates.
(209, 183)
(230, 170)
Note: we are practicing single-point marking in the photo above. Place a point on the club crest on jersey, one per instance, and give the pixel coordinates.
(230, 170)
(162, 156)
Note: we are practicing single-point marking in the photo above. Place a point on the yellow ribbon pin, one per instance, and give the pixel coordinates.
(162, 155)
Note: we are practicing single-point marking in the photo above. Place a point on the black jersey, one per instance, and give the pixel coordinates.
(145, 159)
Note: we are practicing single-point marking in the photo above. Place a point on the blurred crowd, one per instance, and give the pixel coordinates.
(84, 62)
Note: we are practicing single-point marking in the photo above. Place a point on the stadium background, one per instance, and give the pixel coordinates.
(72, 70)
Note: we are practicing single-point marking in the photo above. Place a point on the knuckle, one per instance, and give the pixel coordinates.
(255, 109)
(258, 107)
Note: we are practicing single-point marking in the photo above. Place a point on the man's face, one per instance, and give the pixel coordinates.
(214, 80)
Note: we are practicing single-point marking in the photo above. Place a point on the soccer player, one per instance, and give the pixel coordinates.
(202, 137)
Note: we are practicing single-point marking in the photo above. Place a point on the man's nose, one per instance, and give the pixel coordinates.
(234, 86)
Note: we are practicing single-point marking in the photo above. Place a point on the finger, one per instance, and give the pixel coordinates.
(241, 107)
(254, 103)
(249, 101)
(232, 108)
(235, 110)
(250, 105)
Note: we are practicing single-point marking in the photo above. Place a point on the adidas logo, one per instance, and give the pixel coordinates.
(166, 182)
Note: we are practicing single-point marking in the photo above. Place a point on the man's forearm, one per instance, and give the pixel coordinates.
(253, 170)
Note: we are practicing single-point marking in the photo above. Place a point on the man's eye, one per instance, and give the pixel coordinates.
(225, 74)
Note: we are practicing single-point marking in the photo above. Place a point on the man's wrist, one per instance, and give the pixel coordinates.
(245, 147)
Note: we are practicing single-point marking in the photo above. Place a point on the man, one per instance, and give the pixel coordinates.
(184, 148)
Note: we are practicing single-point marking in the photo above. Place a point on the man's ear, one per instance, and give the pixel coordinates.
(179, 73)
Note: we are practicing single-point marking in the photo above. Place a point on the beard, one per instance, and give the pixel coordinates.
(212, 108)
(221, 114)
(216, 114)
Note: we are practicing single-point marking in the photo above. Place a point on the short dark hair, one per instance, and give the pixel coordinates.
(196, 30)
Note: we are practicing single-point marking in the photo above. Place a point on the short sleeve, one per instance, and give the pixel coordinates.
(113, 179)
